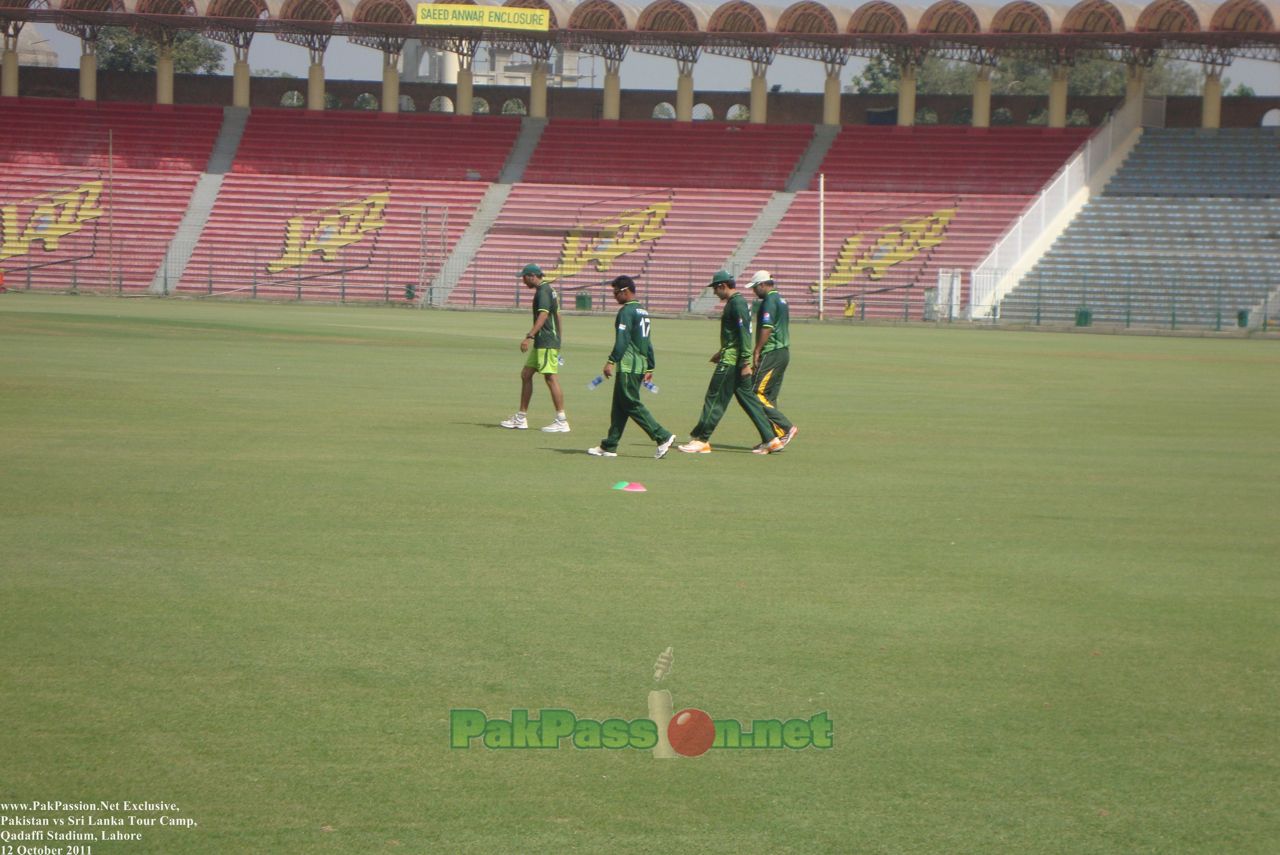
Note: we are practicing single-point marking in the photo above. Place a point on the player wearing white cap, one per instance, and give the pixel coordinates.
(772, 352)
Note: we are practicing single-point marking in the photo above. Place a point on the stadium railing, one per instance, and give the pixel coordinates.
(1068, 191)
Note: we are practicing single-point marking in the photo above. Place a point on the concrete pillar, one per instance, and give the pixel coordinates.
(684, 91)
(390, 82)
(759, 94)
(1211, 108)
(982, 97)
(88, 72)
(315, 85)
(831, 96)
(538, 90)
(240, 80)
(907, 97)
(1058, 95)
(164, 75)
(465, 102)
(612, 90)
(1135, 85)
(9, 64)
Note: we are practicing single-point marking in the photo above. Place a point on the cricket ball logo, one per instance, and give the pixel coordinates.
(692, 732)
(689, 732)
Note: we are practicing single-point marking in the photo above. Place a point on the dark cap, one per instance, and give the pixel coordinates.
(722, 277)
(623, 283)
(530, 270)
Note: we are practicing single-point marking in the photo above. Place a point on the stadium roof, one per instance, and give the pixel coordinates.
(1210, 32)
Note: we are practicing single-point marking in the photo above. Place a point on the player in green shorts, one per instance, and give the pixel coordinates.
(633, 356)
(543, 346)
(732, 377)
(772, 352)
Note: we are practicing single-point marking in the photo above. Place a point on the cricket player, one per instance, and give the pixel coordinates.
(632, 356)
(772, 353)
(542, 343)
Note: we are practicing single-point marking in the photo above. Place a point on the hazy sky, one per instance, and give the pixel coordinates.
(345, 61)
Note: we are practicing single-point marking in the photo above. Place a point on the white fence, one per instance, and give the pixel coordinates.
(997, 274)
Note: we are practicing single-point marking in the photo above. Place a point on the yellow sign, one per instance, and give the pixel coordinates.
(897, 243)
(328, 230)
(605, 241)
(489, 17)
(52, 217)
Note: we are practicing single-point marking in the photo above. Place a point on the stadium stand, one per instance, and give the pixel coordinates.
(666, 154)
(936, 160)
(1186, 233)
(583, 236)
(90, 188)
(418, 146)
(357, 206)
(339, 238)
(905, 241)
(882, 249)
(1234, 162)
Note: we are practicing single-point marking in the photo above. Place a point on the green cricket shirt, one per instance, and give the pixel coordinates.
(772, 312)
(735, 330)
(544, 300)
(632, 349)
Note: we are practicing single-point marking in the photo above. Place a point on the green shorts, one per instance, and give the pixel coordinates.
(544, 360)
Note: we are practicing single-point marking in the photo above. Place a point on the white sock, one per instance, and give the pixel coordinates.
(560, 415)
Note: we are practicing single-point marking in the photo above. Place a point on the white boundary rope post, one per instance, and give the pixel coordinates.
(822, 243)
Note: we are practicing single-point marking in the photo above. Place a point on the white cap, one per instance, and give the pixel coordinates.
(761, 277)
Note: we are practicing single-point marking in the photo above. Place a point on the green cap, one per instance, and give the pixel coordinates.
(722, 277)
(530, 270)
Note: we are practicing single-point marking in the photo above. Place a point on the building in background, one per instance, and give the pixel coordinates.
(34, 49)
(420, 64)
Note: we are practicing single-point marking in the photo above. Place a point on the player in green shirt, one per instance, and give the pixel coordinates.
(632, 355)
(732, 377)
(772, 352)
(544, 356)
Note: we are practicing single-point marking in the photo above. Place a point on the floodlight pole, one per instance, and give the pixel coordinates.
(822, 242)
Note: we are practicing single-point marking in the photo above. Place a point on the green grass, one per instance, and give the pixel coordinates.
(251, 556)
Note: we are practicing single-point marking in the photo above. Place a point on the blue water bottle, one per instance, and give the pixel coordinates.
(595, 382)
(651, 386)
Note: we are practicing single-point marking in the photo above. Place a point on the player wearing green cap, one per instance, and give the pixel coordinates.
(544, 355)
(732, 376)
(632, 355)
(772, 352)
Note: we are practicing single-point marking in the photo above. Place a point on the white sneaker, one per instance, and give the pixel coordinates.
(695, 446)
(664, 447)
(516, 422)
(600, 452)
(791, 434)
(558, 426)
(769, 447)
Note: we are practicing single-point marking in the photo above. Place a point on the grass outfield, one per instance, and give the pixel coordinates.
(252, 555)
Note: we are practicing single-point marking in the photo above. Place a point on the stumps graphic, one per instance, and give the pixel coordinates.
(660, 705)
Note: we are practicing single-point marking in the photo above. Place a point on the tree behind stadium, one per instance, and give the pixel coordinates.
(121, 49)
